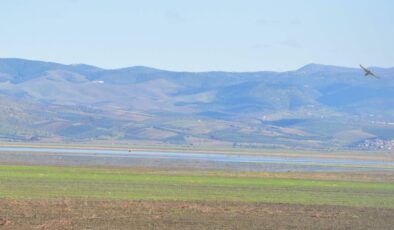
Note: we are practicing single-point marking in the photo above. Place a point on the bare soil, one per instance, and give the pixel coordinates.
(102, 214)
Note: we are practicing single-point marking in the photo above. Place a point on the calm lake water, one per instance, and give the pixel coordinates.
(199, 160)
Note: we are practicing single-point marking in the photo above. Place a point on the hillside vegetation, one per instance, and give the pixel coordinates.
(314, 107)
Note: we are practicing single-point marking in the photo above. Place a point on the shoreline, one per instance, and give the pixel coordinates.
(242, 152)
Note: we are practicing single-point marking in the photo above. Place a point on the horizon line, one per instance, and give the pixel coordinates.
(203, 71)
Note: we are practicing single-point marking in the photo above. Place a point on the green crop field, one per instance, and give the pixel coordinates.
(41, 182)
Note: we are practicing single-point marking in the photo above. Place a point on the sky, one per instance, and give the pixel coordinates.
(203, 35)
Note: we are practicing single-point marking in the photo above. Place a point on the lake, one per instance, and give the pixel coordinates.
(124, 158)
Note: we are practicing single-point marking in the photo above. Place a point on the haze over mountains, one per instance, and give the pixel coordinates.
(314, 107)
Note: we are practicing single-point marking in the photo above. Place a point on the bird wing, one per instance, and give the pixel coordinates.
(365, 69)
(373, 74)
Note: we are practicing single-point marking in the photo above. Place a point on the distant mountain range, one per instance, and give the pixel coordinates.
(314, 107)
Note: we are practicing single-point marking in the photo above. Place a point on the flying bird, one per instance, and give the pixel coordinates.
(368, 72)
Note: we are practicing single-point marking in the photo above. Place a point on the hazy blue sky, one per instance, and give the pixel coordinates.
(242, 35)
